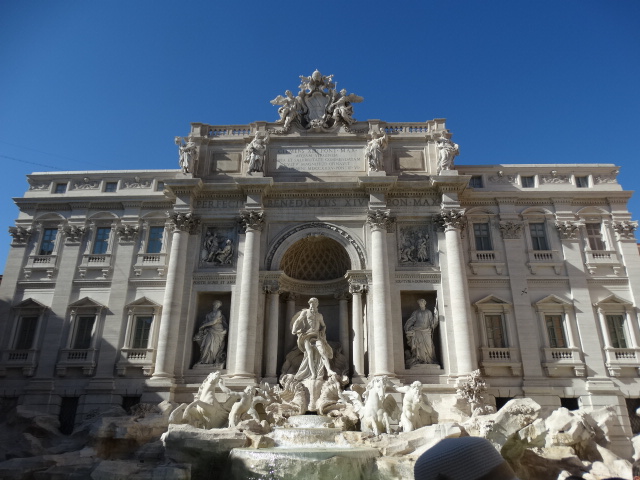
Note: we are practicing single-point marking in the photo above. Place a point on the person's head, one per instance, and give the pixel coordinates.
(313, 303)
(423, 303)
(463, 458)
(217, 304)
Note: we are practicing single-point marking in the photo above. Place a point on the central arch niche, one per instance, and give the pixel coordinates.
(315, 258)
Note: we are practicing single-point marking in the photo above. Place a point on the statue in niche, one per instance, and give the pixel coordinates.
(255, 153)
(211, 337)
(215, 250)
(414, 245)
(340, 107)
(187, 153)
(309, 326)
(447, 151)
(419, 334)
(290, 108)
(373, 152)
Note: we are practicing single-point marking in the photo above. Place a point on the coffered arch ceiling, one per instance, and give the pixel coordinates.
(316, 258)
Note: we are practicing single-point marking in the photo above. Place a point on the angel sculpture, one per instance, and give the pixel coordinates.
(340, 107)
(376, 408)
(290, 109)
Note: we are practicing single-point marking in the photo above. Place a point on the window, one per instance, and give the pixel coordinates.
(481, 234)
(555, 330)
(60, 188)
(582, 182)
(111, 187)
(84, 332)
(528, 182)
(142, 328)
(495, 331)
(615, 323)
(159, 186)
(26, 332)
(154, 241)
(476, 181)
(48, 241)
(101, 242)
(538, 236)
(594, 235)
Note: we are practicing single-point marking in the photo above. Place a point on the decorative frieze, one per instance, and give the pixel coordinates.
(33, 185)
(501, 178)
(137, 182)
(74, 233)
(511, 230)
(451, 219)
(251, 220)
(127, 233)
(185, 222)
(553, 179)
(85, 184)
(568, 230)
(380, 219)
(600, 179)
(625, 229)
(20, 235)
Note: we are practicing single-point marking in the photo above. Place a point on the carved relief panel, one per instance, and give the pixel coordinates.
(218, 247)
(415, 245)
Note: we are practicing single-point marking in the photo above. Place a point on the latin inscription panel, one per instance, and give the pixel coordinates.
(321, 159)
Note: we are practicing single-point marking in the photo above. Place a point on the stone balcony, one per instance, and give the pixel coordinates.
(562, 362)
(486, 258)
(41, 266)
(143, 358)
(500, 361)
(602, 258)
(27, 360)
(77, 358)
(150, 261)
(94, 265)
(622, 362)
(538, 259)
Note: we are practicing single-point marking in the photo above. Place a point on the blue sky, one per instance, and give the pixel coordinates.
(88, 85)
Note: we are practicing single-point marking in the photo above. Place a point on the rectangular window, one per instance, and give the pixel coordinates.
(528, 182)
(594, 235)
(555, 329)
(48, 241)
(582, 182)
(616, 331)
(159, 186)
(26, 332)
(481, 234)
(111, 186)
(476, 181)
(538, 236)
(84, 332)
(60, 188)
(154, 242)
(142, 327)
(495, 333)
(101, 242)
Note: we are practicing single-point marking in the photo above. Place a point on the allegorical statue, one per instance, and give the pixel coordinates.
(255, 153)
(447, 151)
(373, 152)
(309, 326)
(419, 333)
(416, 411)
(187, 153)
(211, 337)
(340, 107)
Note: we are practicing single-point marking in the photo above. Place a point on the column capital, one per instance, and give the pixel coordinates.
(357, 288)
(20, 235)
(74, 233)
(291, 297)
(568, 230)
(127, 233)
(511, 229)
(451, 219)
(344, 295)
(380, 219)
(184, 222)
(251, 220)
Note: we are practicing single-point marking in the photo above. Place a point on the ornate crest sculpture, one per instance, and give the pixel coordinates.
(318, 107)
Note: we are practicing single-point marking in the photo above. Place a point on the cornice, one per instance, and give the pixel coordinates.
(608, 281)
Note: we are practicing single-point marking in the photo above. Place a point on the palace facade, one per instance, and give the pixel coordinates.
(531, 272)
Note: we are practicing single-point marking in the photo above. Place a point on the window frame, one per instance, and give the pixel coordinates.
(593, 239)
(532, 178)
(110, 187)
(52, 242)
(60, 188)
(560, 327)
(545, 236)
(478, 179)
(132, 355)
(488, 237)
(578, 180)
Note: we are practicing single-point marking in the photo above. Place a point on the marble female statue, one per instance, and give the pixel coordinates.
(419, 333)
(187, 153)
(374, 152)
(211, 337)
(255, 153)
(309, 326)
(447, 151)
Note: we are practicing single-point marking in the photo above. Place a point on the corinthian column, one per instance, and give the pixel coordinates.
(183, 225)
(273, 316)
(245, 344)
(453, 221)
(343, 299)
(379, 221)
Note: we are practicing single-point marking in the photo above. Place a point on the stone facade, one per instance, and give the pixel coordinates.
(531, 271)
